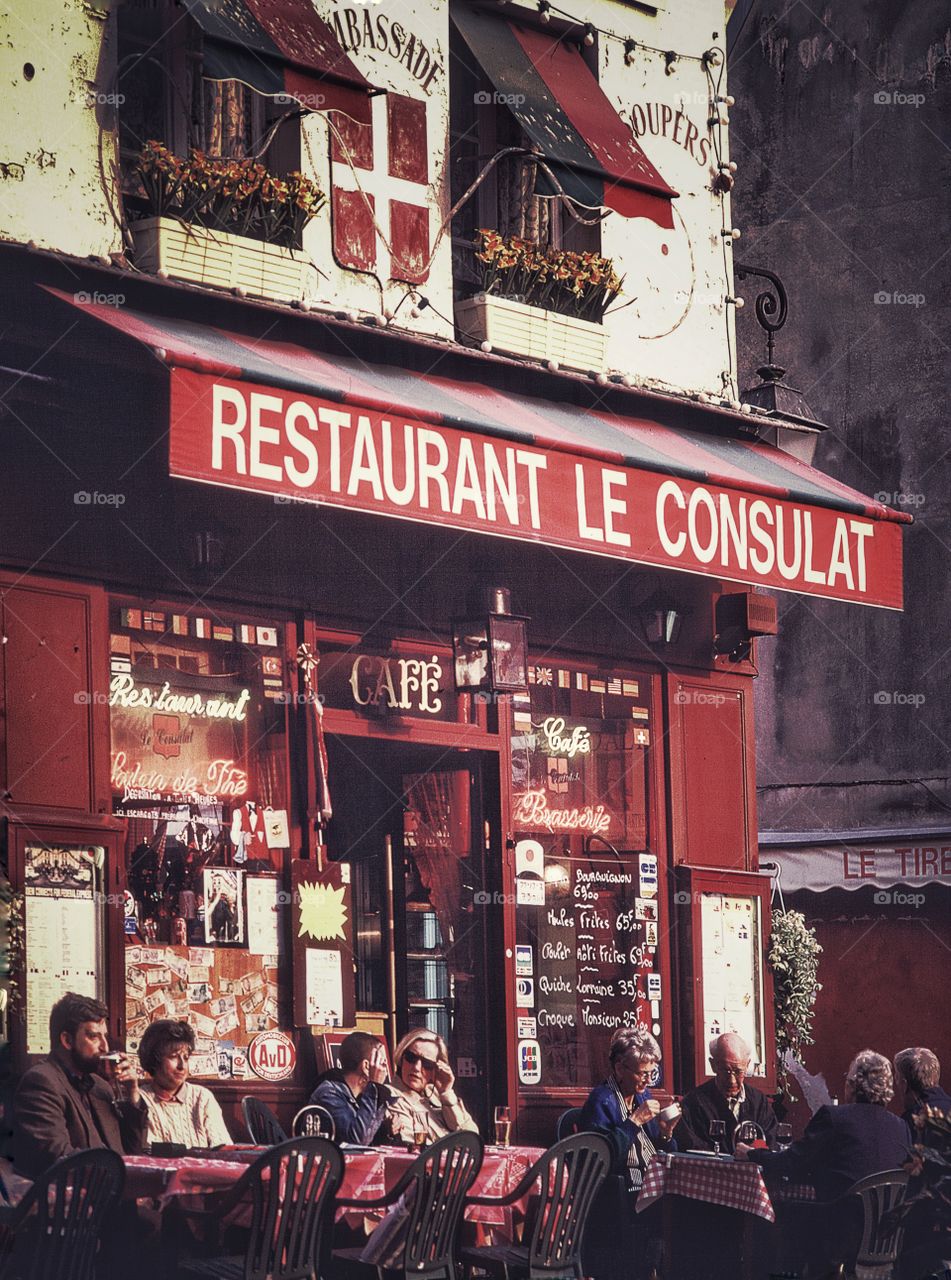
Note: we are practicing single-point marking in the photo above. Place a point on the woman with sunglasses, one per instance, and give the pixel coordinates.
(424, 1100)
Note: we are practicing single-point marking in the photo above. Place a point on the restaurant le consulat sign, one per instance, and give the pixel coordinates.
(304, 448)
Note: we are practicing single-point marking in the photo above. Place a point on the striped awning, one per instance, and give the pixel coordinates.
(281, 47)
(277, 418)
(547, 85)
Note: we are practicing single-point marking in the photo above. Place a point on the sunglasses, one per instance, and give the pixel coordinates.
(428, 1064)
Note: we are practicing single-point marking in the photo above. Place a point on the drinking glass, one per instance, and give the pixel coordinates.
(783, 1136)
(717, 1133)
(503, 1126)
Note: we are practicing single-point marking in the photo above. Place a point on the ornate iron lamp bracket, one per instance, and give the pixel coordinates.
(772, 305)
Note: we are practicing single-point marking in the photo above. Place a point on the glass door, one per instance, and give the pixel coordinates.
(411, 821)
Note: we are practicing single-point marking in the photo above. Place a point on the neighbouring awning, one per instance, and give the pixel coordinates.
(548, 86)
(281, 47)
(276, 418)
(920, 860)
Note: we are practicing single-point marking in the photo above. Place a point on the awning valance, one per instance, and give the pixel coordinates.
(276, 418)
(281, 47)
(548, 86)
(921, 860)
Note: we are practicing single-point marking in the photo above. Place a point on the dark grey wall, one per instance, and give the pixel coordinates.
(842, 136)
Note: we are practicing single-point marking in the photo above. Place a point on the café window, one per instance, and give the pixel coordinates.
(586, 874)
(198, 716)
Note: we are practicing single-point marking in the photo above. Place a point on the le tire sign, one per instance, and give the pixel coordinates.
(272, 1056)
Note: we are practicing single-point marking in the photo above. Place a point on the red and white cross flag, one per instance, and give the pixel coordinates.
(380, 177)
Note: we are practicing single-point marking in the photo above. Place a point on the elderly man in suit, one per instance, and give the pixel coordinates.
(727, 1097)
(62, 1104)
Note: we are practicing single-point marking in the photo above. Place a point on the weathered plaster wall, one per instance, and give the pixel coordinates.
(57, 61)
(841, 136)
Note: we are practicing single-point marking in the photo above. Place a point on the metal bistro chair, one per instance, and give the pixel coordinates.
(568, 1176)
(568, 1123)
(881, 1239)
(292, 1189)
(432, 1195)
(53, 1233)
(314, 1121)
(261, 1122)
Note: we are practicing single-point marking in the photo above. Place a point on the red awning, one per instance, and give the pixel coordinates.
(545, 82)
(276, 418)
(281, 47)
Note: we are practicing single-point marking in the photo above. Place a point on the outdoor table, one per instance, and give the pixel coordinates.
(709, 1207)
(367, 1174)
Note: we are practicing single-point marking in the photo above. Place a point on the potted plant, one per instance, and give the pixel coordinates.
(228, 223)
(540, 301)
(793, 956)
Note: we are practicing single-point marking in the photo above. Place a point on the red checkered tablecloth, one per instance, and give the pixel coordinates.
(736, 1184)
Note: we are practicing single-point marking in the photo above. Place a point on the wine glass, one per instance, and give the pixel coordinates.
(503, 1126)
(717, 1134)
(783, 1136)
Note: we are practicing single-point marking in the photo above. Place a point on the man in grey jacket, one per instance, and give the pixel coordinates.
(62, 1105)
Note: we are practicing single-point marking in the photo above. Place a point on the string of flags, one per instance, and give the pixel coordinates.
(199, 628)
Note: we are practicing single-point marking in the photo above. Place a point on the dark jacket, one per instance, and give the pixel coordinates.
(841, 1145)
(707, 1103)
(51, 1118)
(601, 1113)
(933, 1097)
(355, 1119)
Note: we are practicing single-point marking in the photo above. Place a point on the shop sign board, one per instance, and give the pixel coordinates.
(247, 436)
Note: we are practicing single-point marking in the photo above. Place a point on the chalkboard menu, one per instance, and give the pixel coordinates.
(587, 958)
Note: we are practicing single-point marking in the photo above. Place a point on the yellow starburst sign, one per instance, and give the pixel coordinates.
(322, 912)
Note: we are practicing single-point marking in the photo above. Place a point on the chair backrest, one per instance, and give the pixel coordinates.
(292, 1190)
(313, 1121)
(568, 1123)
(64, 1214)
(569, 1176)
(261, 1122)
(881, 1234)
(441, 1177)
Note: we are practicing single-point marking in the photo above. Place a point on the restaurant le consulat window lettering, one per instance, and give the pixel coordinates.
(586, 884)
(199, 770)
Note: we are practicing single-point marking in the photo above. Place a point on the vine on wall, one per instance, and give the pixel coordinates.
(793, 956)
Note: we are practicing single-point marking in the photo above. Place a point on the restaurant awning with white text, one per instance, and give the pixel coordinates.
(277, 418)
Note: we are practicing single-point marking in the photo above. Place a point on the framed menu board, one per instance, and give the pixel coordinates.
(587, 960)
(65, 879)
(729, 987)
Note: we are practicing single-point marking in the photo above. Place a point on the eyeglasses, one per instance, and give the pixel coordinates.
(737, 1072)
(428, 1064)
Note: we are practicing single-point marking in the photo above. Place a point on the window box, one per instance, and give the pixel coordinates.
(521, 330)
(220, 259)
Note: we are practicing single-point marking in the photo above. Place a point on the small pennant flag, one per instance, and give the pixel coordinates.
(598, 686)
(267, 636)
(201, 628)
(131, 618)
(246, 633)
(581, 679)
(223, 633)
(639, 713)
(642, 737)
(179, 624)
(564, 679)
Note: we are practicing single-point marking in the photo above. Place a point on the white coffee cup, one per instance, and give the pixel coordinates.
(672, 1113)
